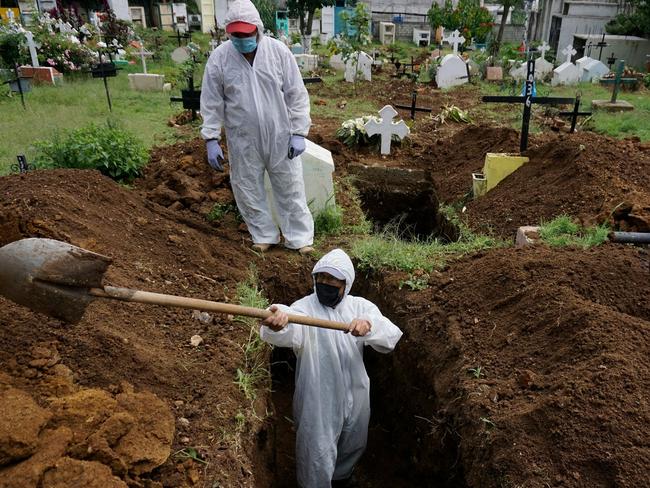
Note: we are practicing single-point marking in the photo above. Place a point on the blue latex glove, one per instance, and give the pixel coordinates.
(296, 146)
(215, 154)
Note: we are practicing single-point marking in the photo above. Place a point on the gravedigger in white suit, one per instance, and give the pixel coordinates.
(331, 403)
(252, 88)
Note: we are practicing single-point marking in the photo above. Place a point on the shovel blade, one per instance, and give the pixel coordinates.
(51, 277)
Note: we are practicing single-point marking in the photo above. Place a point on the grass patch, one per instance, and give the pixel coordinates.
(253, 373)
(562, 231)
(329, 221)
(219, 210)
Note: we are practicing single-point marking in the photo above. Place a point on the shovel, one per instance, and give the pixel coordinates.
(60, 280)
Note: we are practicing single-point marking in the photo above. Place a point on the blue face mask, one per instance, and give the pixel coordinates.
(244, 45)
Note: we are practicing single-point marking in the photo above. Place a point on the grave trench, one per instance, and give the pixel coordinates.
(403, 201)
(403, 449)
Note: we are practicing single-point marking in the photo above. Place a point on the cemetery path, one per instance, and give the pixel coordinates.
(517, 366)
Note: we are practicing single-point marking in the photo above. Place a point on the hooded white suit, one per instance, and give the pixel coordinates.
(261, 107)
(331, 404)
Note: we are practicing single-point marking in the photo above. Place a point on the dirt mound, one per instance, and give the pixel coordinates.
(530, 368)
(588, 176)
(124, 435)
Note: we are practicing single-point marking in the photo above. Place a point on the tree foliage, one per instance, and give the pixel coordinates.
(472, 20)
(304, 10)
(267, 9)
(636, 23)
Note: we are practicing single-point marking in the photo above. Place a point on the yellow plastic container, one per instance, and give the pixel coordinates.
(500, 165)
(479, 185)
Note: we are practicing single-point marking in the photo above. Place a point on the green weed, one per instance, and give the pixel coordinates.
(476, 372)
(416, 282)
(564, 232)
(190, 453)
(219, 210)
(329, 221)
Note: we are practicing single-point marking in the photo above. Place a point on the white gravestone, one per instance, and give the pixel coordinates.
(451, 72)
(594, 70)
(336, 62)
(358, 67)
(455, 39)
(32, 48)
(543, 69)
(297, 48)
(567, 73)
(386, 128)
(317, 170)
(580, 63)
(306, 62)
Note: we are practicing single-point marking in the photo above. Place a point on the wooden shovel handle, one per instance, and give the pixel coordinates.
(138, 296)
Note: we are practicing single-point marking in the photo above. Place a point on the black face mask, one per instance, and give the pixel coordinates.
(328, 295)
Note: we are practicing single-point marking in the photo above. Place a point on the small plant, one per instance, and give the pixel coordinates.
(488, 423)
(476, 372)
(453, 113)
(416, 282)
(564, 232)
(219, 210)
(190, 453)
(646, 80)
(329, 221)
(110, 149)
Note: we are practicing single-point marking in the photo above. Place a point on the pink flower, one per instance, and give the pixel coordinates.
(51, 62)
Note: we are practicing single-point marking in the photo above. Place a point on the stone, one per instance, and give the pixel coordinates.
(317, 170)
(386, 128)
(594, 70)
(146, 82)
(21, 421)
(609, 106)
(183, 422)
(566, 74)
(196, 340)
(527, 235)
(474, 68)
(358, 67)
(494, 73)
(451, 72)
(336, 62)
(306, 62)
(518, 71)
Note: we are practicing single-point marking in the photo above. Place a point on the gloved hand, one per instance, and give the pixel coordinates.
(215, 154)
(296, 146)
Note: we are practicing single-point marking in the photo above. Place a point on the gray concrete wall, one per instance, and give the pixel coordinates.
(632, 49)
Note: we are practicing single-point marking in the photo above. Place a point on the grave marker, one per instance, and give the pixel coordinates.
(453, 71)
(614, 104)
(359, 69)
(413, 107)
(386, 128)
(455, 39)
(528, 99)
(567, 73)
(105, 70)
(179, 36)
(23, 166)
(32, 49)
(574, 114)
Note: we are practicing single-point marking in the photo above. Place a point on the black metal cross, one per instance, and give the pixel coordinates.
(611, 60)
(313, 79)
(190, 97)
(413, 107)
(185, 35)
(105, 70)
(574, 114)
(602, 44)
(23, 166)
(528, 99)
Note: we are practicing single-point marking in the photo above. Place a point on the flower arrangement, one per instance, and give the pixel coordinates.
(353, 132)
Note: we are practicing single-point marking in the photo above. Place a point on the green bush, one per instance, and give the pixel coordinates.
(113, 151)
(562, 231)
(329, 221)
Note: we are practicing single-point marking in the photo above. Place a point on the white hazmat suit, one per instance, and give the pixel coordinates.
(331, 403)
(261, 106)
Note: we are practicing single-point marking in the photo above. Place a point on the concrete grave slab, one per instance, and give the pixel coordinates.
(451, 72)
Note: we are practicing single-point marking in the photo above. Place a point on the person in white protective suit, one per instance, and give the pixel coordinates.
(252, 87)
(331, 403)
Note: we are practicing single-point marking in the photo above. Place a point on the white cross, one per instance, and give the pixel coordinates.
(455, 39)
(214, 44)
(543, 48)
(10, 16)
(143, 53)
(32, 48)
(568, 52)
(386, 128)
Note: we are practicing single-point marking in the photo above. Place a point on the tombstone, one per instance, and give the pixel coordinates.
(421, 37)
(567, 73)
(306, 62)
(518, 72)
(543, 68)
(455, 39)
(451, 72)
(494, 73)
(358, 67)
(580, 63)
(386, 128)
(336, 62)
(317, 170)
(297, 48)
(594, 70)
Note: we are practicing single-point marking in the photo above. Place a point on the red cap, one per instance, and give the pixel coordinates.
(242, 27)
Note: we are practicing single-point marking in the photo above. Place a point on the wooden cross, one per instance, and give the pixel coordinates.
(386, 128)
(574, 114)
(528, 99)
(455, 39)
(618, 80)
(413, 107)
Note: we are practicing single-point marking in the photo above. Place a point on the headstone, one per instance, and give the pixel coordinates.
(32, 48)
(336, 62)
(180, 55)
(317, 170)
(146, 82)
(436, 53)
(358, 67)
(543, 68)
(494, 73)
(386, 128)
(580, 63)
(455, 39)
(297, 48)
(594, 70)
(518, 71)
(306, 62)
(42, 75)
(451, 72)
(567, 73)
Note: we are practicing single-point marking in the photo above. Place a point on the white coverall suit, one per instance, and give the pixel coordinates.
(331, 403)
(261, 107)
